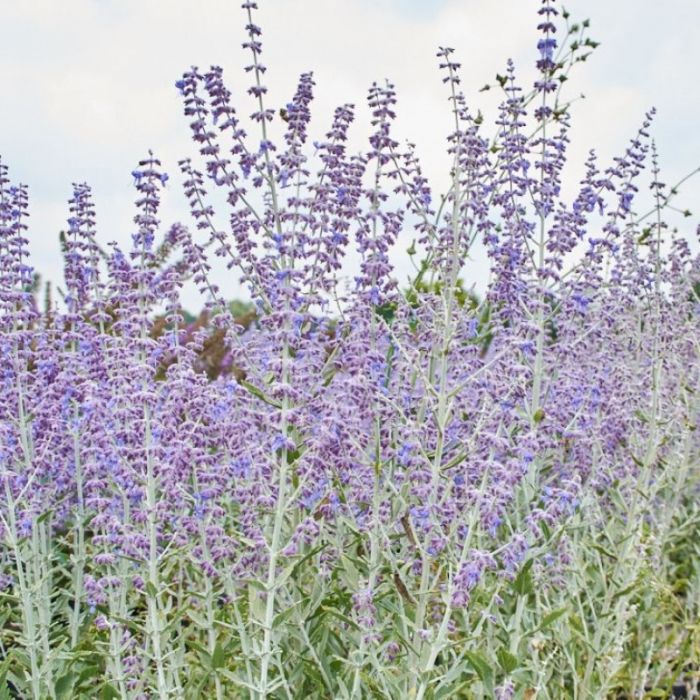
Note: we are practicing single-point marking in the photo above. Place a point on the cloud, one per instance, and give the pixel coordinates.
(88, 84)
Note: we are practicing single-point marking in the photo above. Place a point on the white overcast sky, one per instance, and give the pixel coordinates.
(88, 86)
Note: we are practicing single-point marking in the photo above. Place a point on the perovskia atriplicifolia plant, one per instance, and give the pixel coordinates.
(400, 492)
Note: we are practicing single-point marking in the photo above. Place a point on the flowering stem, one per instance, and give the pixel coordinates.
(153, 584)
(79, 554)
(152, 589)
(372, 579)
(116, 658)
(444, 404)
(539, 347)
(42, 582)
(283, 471)
(437, 644)
(37, 576)
(209, 602)
(28, 623)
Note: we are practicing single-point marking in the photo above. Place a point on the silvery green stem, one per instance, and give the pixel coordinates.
(275, 544)
(42, 583)
(281, 505)
(115, 659)
(680, 473)
(437, 644)
(240, 628)
(373, 572)
(153, 585)
(155, 630)
(28, 623)
(628, 562)
(539, 347)
(444, 405)
(79, 553)
(28, 580)
(209, 604)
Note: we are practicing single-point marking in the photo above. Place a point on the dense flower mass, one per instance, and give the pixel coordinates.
(357, 490)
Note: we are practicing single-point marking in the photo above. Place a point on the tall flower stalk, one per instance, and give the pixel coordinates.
(357, 489)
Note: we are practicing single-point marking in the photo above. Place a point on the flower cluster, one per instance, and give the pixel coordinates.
(347, 499)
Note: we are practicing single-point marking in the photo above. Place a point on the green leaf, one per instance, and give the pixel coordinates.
(575, 623)
(4, 666)
(197, 619)
(626, 590)
(88, 673)
(481, 665)
(386, 311)
(218, 658)
(258, 585)
(602, 550)
(256, 606)
(44, 516)
(353, 575)
(641, 416)
(642, 240)
(451, 691)
(336, 613)
(64, 685)
(151, 590)
(523, 581)
(507, 661)
(4, 691)
(204, 657)
(109, 692)
(259, 394)
(283, 616)
(371, 684)
(291, 568)
(550, 618)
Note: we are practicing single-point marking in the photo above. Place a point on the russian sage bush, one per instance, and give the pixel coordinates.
(398, 493)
